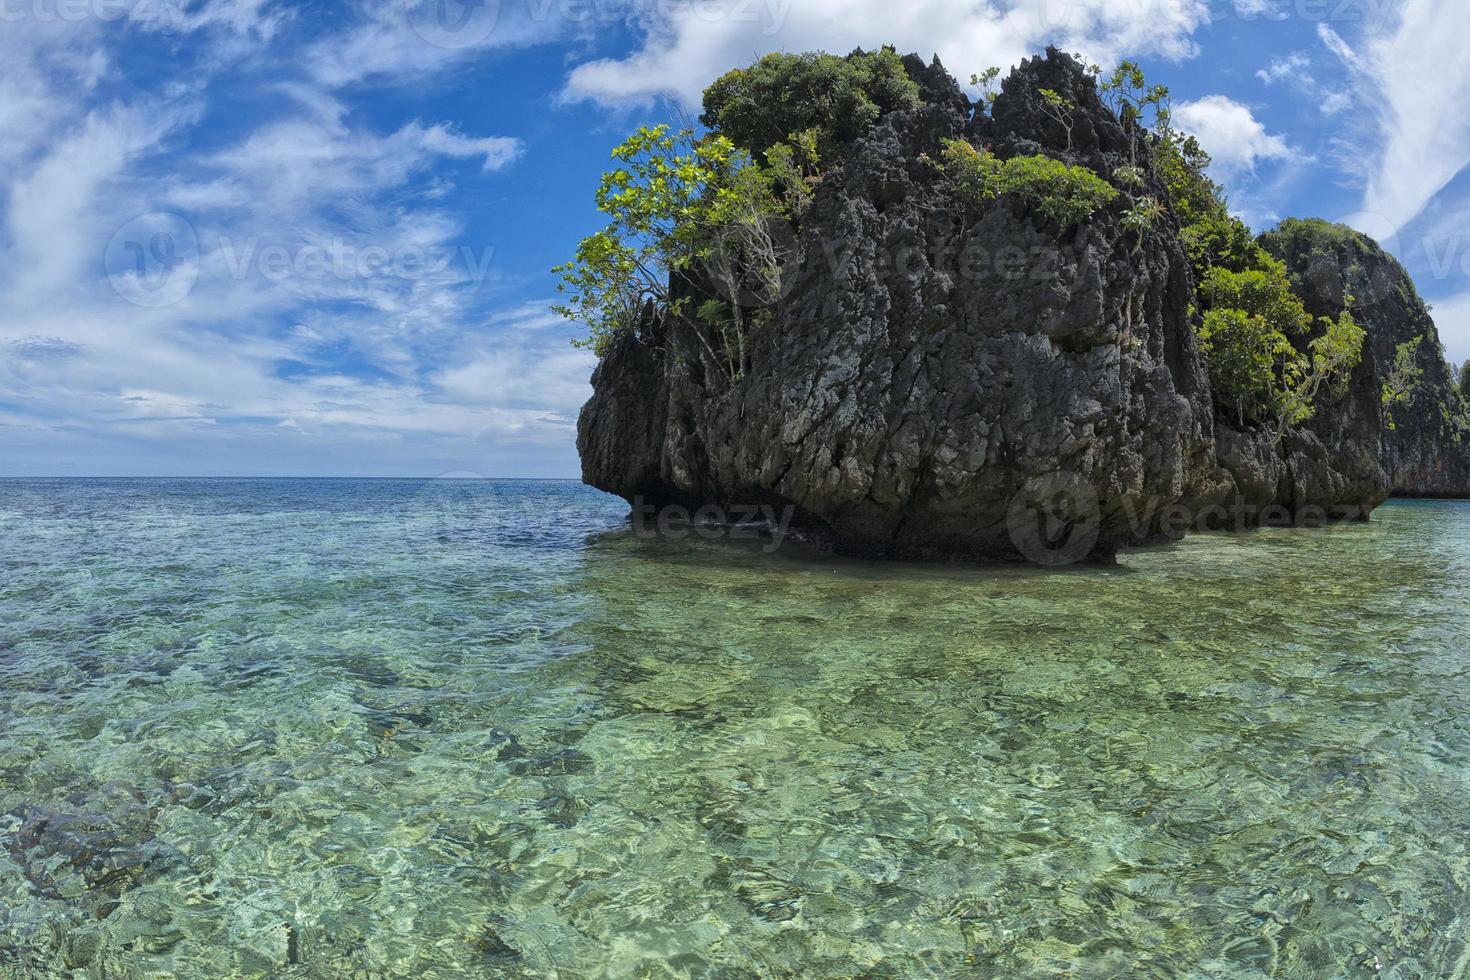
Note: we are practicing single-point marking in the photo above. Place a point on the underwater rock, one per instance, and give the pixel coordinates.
(95, 852)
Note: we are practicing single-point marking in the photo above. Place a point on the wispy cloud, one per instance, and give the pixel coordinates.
(1412, 76)
(685, 45)
(324, 279)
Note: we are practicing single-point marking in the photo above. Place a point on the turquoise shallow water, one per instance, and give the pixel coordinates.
(382, 729)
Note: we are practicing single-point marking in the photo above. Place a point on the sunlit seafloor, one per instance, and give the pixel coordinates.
(436, 729)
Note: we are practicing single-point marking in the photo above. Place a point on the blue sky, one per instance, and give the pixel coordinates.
(247, 237)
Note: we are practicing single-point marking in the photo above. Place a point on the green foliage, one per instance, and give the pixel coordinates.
(988, 83)
(1465, 379)
(1130, 176)
(1211, 235)
(1056, 107)
(838, 99)
(795, 167)
(1063, 194)
(674, 201)
(1404, 378)
(1265, 364)
(1142, 216)
(1265, 293)
(974, 173)
(1323, 236)
(1244, 355)
(661, 180)
(1253, 333)
(1129, 95)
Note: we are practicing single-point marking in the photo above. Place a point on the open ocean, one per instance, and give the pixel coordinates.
(372, 729)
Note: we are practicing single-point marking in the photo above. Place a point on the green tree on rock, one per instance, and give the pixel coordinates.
(682, 211)
(1255, 335)
(781, 94)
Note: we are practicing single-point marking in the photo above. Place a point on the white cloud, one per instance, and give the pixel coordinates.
(686, 45)
(1452, 317)
(301, 159)
(525, 377)
(261, 18)
(1296, 70)
(1291, 68)
(497, 150)
(1417, 76)
(1335, 43)
(83, 158)
(535, 315)
(1230, 133)
(393, 39)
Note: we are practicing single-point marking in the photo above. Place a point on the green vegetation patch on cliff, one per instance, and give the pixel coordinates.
(1062, 193)
(691, 220)
(837, 98)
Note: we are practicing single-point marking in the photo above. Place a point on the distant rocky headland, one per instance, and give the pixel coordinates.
(1007, 328)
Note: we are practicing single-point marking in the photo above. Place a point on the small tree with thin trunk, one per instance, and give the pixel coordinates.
(1056, 108)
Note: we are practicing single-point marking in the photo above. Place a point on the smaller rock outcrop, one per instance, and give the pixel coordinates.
(1423, 444)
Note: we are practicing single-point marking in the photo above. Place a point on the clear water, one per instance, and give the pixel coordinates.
(383, 729)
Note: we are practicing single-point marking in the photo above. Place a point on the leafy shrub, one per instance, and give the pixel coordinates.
(1055, 107)
(1211, 235)
(1404, 378)
(1142, 217)
(1254, 330)
(781, 94)
(674, 201)
(1130, 176)
(1250, 335)
(1063, 194)
(975, 174)
(1265, 292)
(1243, 352)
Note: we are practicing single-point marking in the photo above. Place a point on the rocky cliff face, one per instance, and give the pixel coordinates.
(941, 382)
(1420, 448)
(933, 370)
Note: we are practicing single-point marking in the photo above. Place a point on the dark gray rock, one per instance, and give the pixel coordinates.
(93, 850)
(935, 379)
(930, 367)
(1420, 448)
